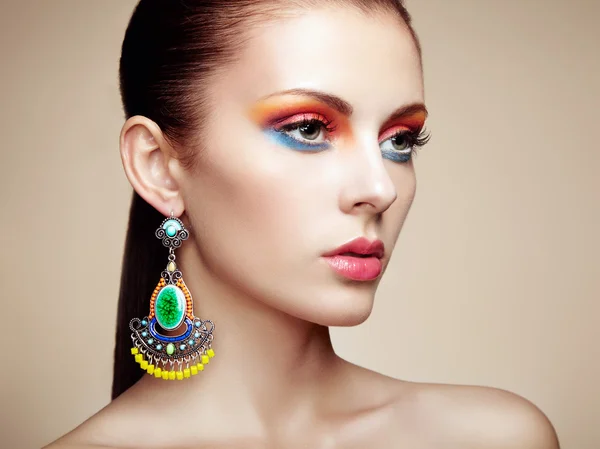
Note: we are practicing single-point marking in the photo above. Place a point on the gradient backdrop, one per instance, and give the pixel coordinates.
(496, 277)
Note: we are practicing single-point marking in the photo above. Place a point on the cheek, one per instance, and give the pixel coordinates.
(405, 180)
(234, 204)
(407, 187)
(259, 225)
(255, 201)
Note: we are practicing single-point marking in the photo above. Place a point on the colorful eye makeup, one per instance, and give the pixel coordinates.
(314, 121)
(399, 143)
(299, 122)
(403, 134)
(303, 132)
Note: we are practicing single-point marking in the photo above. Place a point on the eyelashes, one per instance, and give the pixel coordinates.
(313, 132)
(305, 132)
(306, 120)
(403, 145)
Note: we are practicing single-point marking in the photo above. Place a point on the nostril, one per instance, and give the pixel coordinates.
(364, 204)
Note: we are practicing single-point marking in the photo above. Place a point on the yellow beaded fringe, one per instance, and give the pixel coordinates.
(172, 374)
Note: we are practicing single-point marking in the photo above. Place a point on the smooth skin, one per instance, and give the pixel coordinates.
(261, 215)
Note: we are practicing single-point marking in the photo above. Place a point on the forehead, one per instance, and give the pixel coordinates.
(371, 62)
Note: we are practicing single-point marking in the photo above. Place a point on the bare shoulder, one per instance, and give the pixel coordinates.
(475, 417)
(110, 427)
(68, 442)
(62, 445)
(86, 435)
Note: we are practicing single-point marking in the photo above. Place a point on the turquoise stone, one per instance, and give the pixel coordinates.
(171, 227)
(191, 342)
(144, 322)
(182, 347)
(144, 334)
(169, 307)
(197, 335)
(150, 341)
(197, 323)
(170, 348)
(159, 347)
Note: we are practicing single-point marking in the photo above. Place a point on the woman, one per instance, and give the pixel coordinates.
(281, 135)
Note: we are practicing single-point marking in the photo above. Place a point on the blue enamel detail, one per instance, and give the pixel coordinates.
(176, 339)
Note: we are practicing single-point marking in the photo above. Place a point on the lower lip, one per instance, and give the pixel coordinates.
(355, 268)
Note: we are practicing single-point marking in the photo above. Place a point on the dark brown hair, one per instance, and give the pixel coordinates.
(171, 50)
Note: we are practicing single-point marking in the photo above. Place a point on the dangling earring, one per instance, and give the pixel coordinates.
(180, 356)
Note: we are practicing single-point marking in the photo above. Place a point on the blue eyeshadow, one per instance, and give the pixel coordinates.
(284, 139)
(397, 157)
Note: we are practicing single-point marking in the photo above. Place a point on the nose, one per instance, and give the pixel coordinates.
(367, 185)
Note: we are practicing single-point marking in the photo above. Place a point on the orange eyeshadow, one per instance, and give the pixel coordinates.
(412, 122)
(272, 110)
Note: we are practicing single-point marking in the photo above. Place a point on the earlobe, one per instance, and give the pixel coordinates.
(146, 154)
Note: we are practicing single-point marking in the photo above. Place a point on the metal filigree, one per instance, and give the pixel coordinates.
(157, 350)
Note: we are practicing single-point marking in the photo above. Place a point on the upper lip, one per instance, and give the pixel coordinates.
(360, 245)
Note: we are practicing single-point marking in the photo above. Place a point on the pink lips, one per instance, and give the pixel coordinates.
(358, 260)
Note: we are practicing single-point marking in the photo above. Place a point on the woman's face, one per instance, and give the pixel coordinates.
(284, 178)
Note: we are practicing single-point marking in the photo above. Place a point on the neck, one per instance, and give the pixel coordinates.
(266, 361)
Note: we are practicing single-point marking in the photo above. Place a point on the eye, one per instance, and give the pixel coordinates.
(398, 143)
(401, 146)
(311, 132)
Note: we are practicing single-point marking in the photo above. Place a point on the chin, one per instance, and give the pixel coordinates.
(342, 309)
(350, 318)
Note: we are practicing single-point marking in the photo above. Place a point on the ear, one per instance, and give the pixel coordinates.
(146, 157)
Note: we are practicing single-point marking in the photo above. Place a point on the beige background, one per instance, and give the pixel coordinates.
(495, 280)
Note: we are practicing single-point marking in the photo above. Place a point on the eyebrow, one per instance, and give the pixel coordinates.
(343, 107)
(408, 111)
